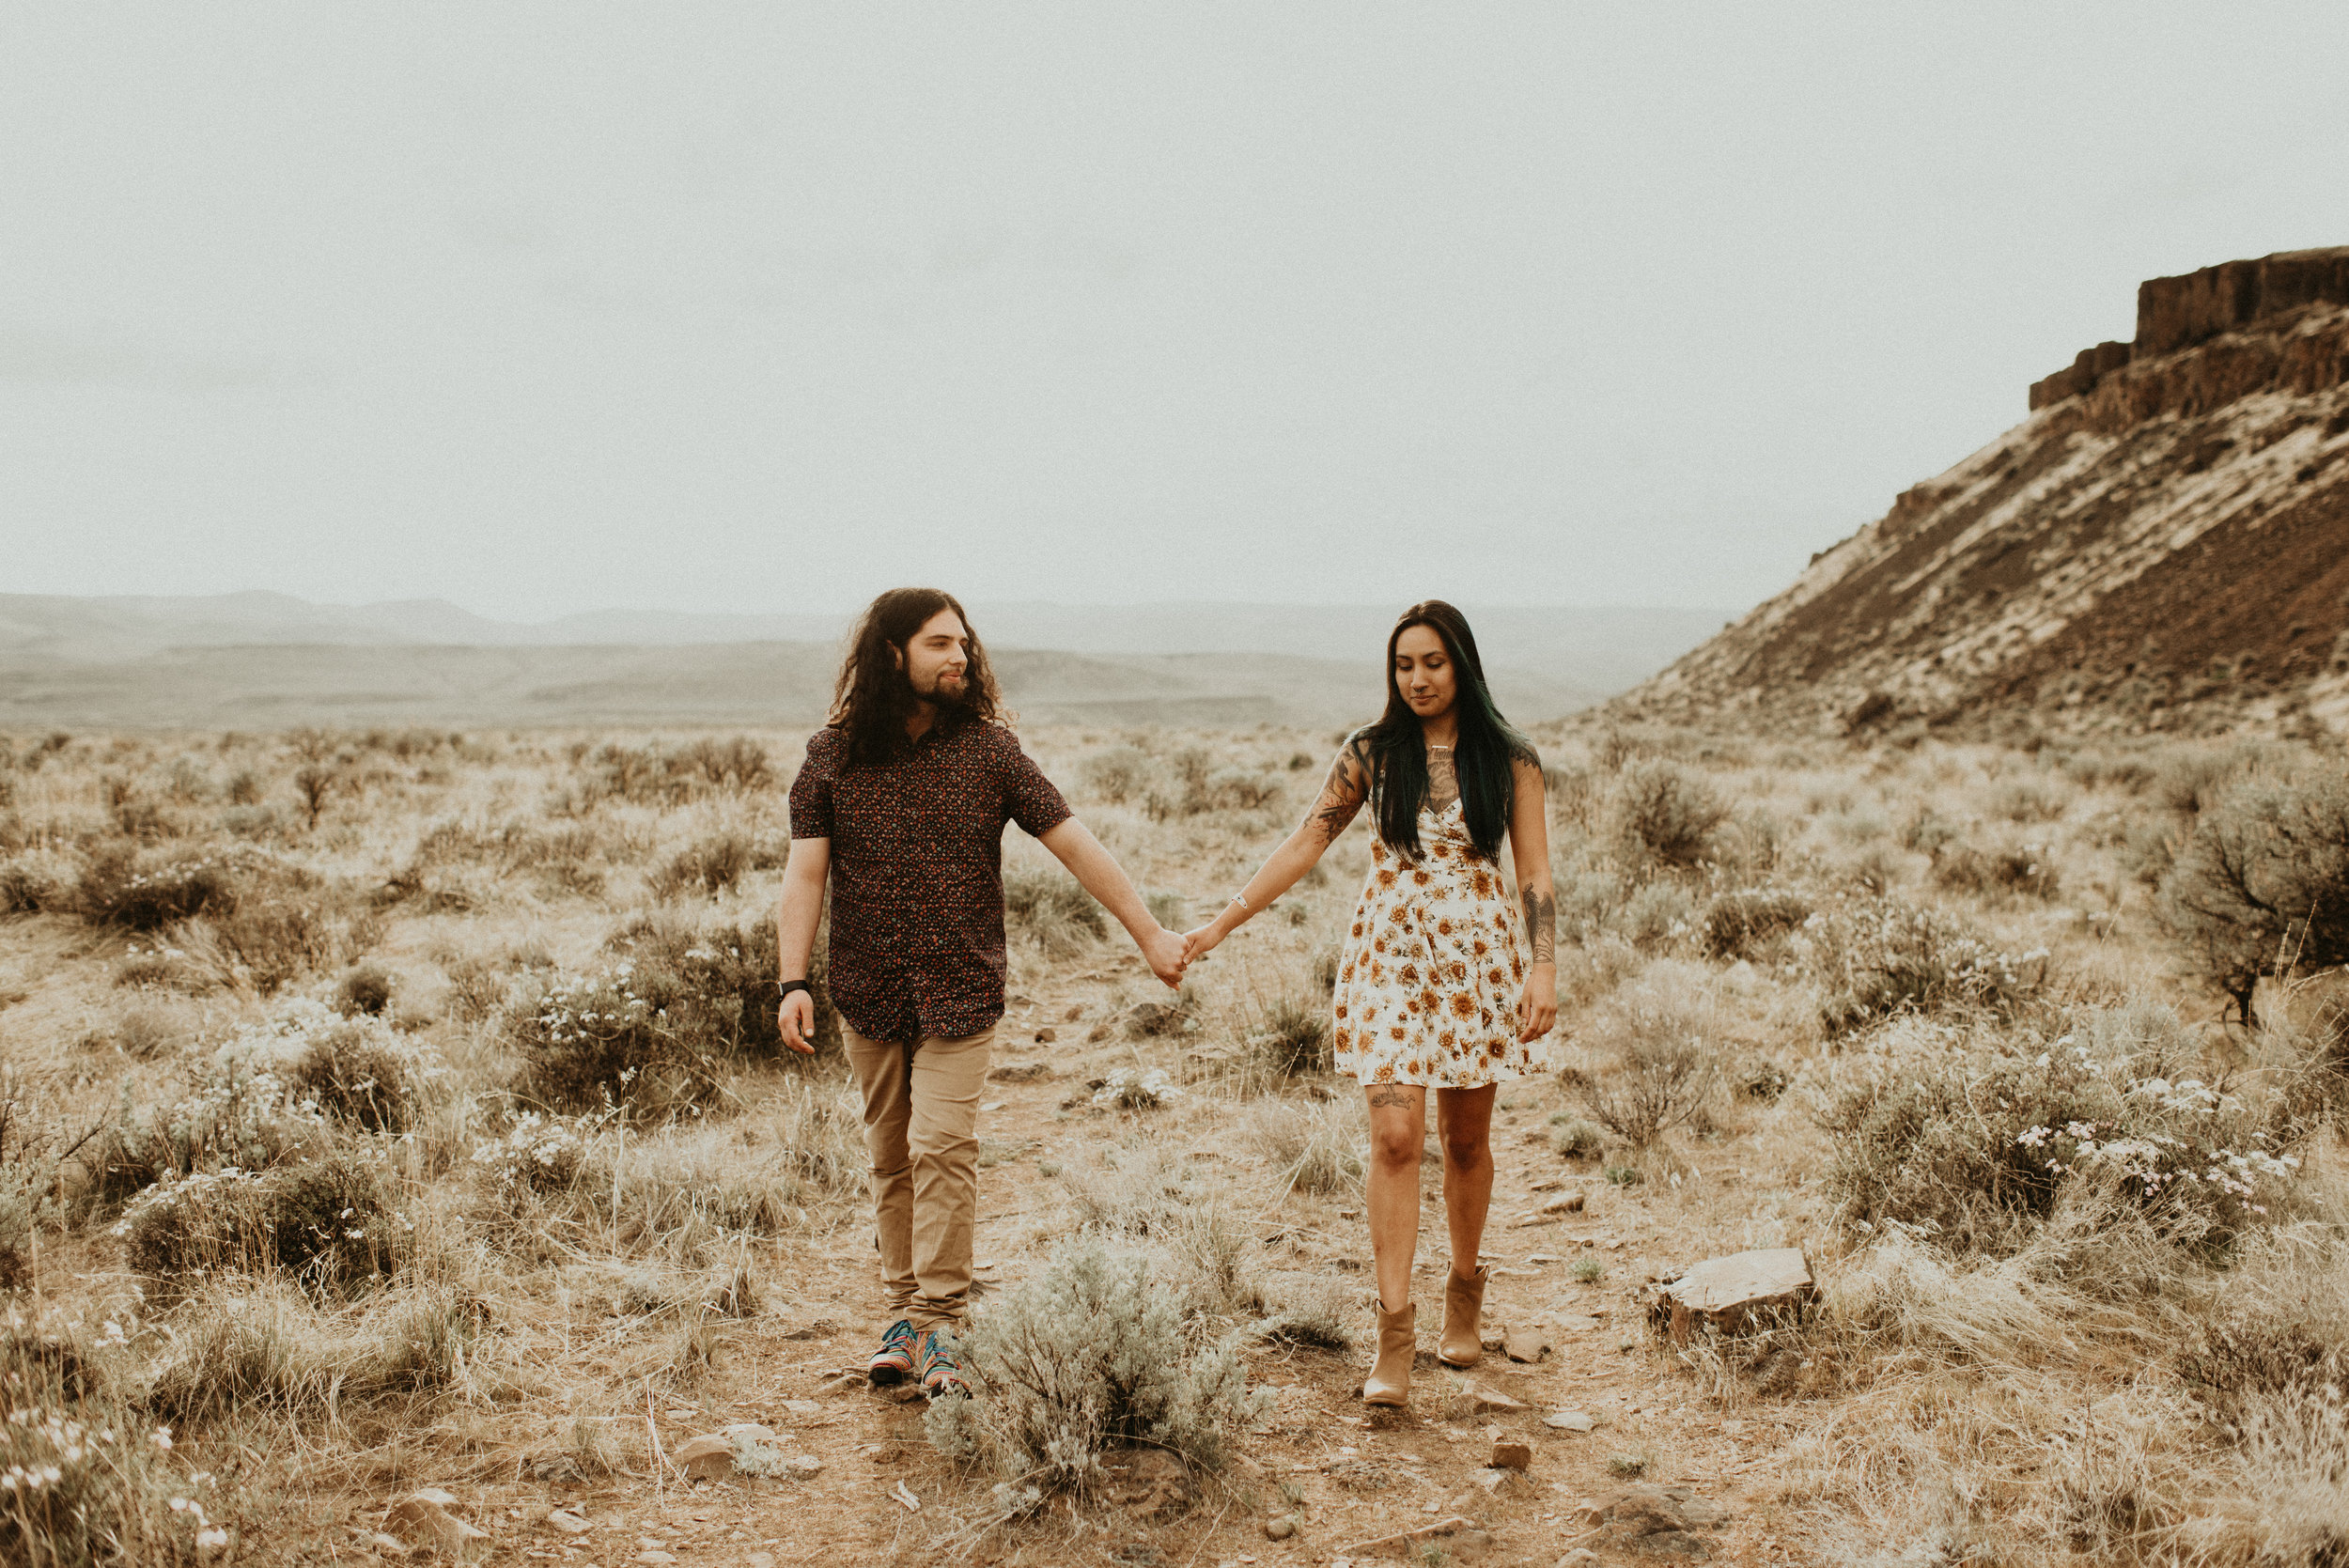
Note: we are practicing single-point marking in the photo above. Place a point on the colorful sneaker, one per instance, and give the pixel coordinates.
(893, 1363)
(941, 1372)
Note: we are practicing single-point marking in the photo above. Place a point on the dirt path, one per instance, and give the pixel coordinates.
(1347, 1474)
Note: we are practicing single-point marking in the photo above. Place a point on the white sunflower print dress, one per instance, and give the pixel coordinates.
(1432, 967)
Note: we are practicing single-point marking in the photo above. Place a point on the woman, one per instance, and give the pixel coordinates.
(1433, 989)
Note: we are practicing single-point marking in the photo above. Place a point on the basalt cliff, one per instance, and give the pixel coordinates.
(2163, 545)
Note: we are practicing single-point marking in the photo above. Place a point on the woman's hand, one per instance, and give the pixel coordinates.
(1198, 943)
(1537, 1009)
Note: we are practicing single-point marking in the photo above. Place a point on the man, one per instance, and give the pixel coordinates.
(902, 804)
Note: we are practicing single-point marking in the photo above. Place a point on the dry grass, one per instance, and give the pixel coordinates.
(1811, 994)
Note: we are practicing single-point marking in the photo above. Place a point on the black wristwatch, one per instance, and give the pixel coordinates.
(791, 986)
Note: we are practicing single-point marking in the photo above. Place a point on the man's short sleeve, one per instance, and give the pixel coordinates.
(810, 792)
(1029, 798)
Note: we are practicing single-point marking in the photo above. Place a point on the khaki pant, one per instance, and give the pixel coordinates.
(921, 1122)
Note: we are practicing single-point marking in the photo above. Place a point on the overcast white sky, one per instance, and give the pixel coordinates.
(756, 307)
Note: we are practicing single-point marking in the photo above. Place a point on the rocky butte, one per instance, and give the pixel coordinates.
(2163, 545)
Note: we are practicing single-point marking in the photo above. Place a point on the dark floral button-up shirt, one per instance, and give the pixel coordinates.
(917, 874)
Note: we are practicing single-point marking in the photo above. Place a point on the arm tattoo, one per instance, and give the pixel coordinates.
(1541, 925)
(1341, 800)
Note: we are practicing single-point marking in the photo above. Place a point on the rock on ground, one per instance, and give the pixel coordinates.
(425, 1518)
(1657, 1521)
(1732, 1293)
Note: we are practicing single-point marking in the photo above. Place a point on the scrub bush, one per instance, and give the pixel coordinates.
(363, 1073)
(1671, 813)
(1743, 922)
(662, 1021)
(1082, 1357)
(1885, 957)
(1977, 1140)
(86, 1477)
(2261, 885)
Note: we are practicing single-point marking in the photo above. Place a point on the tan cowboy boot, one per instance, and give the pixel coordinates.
(1390, 1380)
(1463, 1342)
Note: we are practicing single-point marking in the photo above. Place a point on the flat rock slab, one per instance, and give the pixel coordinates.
(1736, 1292)
(1525, 1345)
(423, 1518)
(1657, 1521)
(1568, 1421)
(707, 1458)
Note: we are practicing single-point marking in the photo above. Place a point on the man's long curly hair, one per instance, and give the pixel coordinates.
(874, 695)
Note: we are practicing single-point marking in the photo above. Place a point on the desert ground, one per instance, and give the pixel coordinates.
(396, 1159)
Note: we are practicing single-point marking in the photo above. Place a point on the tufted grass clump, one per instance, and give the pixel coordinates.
(716, 864)
(331, 1224)
(2021, 871)
(678, 1189)
(1082, 1359)
(654, 774)
(1120, 775)
(1046, 905)
(1319, 1148)
(1312, 1311)
(239, 1344)
(1293, 1039)
(1576, 1138)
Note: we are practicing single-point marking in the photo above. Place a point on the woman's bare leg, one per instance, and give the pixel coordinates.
(1464, 1125)
(1398, 1131)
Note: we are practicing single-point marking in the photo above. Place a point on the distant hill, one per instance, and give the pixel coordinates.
(254, 660)
(2162, 546)
(268, 685)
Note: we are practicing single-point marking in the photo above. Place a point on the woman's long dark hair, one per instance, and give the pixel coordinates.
(1482, 755)
(874, 695)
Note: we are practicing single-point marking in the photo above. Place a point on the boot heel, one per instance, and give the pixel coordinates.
(1390, 1380)
(1463, 1342)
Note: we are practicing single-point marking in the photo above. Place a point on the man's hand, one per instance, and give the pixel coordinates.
(1537, 1009)
(797, 1020)
(1165, 951)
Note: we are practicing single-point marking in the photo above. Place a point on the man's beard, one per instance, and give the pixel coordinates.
(946, 697)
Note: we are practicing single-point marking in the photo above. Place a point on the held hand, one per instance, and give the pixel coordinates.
(1537, 1009)
(797, 1017)
(1198, 943)
(1166, 954)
